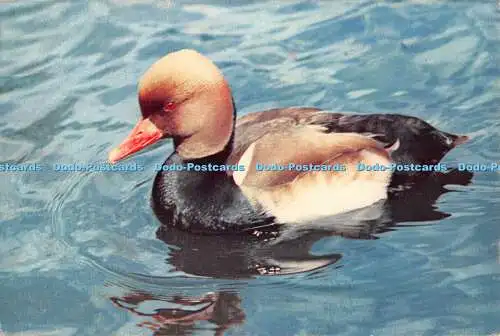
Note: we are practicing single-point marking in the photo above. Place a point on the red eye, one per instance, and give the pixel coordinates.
(170, 106)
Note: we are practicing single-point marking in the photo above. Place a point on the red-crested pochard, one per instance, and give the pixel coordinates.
(184, 96)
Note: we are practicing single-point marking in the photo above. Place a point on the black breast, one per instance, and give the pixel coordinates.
(203, 202)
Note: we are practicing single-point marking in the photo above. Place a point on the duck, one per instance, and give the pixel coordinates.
(291, 165)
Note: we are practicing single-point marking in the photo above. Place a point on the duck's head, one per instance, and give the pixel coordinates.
(183, 96)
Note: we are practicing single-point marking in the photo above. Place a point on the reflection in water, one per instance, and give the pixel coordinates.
(243, 256)
(179, 315)
(272, 251)
(287, 250)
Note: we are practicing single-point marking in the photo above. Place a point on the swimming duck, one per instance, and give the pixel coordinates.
(221, 189)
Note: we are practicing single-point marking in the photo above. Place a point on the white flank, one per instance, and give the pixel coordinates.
(322, 200)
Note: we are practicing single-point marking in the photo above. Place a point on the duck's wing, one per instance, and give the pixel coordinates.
(314, 174)
(253, 126)
(420, 142)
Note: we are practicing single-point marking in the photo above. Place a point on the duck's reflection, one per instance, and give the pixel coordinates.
(181, 315)
(269, 252)
(242, 256)
(283, 250)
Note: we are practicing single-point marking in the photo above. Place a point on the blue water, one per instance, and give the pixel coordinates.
(78, 251)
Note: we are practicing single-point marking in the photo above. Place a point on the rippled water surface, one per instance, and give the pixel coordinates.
(79, 253)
